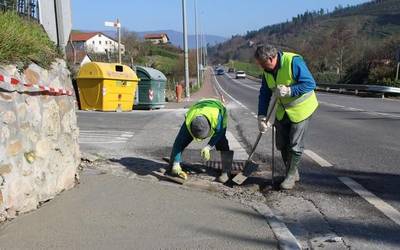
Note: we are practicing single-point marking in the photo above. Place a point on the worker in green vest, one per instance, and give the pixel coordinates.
(287, 76)
(206, 118)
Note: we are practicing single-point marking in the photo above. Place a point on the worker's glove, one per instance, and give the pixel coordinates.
(283, 91)
(263, 124)
(177, 171)
(206, 153)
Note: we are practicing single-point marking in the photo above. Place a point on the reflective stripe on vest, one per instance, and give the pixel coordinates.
(297, 108)
(210, 108)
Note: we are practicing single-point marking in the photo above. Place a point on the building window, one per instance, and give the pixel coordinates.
(99, 35)
(99, 42)
(93, 42)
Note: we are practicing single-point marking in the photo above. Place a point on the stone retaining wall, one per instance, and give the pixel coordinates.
(39, 151)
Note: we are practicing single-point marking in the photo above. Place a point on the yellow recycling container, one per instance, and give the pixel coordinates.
(106, 86)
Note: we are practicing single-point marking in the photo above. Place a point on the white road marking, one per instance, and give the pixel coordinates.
(285, 238)
(381, 205)
(226, 93)
(318, 159)
(104, 136)
(245, 85)
(359, 110)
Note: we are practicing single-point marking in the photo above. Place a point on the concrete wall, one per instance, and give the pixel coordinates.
(60, 28)
(39, 151)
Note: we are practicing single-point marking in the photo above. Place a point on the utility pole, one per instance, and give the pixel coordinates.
(117, 25)
(185, 49)
(197, 43)
(119, 40)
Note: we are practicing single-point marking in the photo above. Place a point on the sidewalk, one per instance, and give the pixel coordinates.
(111, 212)
(206, 91)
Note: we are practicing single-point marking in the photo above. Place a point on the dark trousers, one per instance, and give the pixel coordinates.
(183, 139)
(290, 137)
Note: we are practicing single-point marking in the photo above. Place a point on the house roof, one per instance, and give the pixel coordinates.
(75, 37)
(155, 36)
(84, 36)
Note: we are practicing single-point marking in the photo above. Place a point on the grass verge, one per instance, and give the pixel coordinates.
(24, 41)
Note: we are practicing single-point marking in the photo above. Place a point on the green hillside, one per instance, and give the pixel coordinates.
(355, 44)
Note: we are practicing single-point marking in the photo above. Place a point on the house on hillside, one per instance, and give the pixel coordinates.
(161, 38)
(94, 42)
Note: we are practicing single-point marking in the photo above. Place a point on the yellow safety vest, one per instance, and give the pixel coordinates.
(210, 108)
(297, 108)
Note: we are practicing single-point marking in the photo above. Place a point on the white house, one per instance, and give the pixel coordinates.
(95, 42)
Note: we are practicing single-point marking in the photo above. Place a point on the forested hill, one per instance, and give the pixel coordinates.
(355, 43)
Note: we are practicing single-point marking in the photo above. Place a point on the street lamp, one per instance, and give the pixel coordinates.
(185, 48)
(116, 25)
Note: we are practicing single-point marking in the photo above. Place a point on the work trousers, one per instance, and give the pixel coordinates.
(290, 137)
(183, 139)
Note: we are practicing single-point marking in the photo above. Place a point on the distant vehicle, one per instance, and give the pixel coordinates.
(220, 71)
(231, 70)
(240, 74)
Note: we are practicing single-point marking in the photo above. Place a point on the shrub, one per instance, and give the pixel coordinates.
(23, 41)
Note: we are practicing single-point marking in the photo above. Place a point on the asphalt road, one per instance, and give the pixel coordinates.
(359, 138)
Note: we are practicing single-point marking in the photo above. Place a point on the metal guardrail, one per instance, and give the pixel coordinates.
(360, 88)
(351, 87)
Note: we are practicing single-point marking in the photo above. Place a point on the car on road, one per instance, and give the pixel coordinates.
(220, 71)
(231, 70)
(240, 74)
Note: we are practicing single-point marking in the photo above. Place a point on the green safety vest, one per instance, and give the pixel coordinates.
(297, 108)
(210, 108)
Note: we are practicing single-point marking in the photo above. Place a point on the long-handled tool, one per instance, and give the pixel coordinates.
(250, 166)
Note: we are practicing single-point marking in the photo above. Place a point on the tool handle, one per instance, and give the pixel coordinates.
(255, 145)
(260, 134)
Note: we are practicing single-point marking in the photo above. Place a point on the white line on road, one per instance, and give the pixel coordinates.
(382, 206)
(318, 159)
(358, 110)
(226, 93)
(285, 238)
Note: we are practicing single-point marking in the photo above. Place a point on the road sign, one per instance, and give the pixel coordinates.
(112, 24)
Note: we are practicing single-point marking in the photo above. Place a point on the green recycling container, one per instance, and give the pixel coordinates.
(151, 88)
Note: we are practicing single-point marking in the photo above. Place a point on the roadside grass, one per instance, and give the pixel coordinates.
(24, 41)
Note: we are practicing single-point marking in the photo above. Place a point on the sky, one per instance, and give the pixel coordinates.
(215, 17)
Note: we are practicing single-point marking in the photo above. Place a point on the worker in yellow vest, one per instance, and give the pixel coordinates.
(286, 75)
(206, 118)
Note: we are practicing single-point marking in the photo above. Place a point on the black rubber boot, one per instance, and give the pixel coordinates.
(291, 177)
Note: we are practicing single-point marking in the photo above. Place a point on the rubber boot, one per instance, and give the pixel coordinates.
(286, 160)
(290, 179)
(226, 161)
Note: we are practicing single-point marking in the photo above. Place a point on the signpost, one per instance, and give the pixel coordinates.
(116, 25)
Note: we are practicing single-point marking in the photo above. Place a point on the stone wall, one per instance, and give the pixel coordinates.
(39, 151)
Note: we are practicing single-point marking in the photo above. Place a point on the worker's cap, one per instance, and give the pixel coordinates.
(200, 127)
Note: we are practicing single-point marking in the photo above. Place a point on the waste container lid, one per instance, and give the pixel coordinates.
(96, 70)
(151, 73)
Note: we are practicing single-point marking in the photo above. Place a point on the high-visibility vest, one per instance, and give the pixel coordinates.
(297, 108)
(210, 108)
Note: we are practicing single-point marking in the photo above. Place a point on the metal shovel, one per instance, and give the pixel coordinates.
(250, 166)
